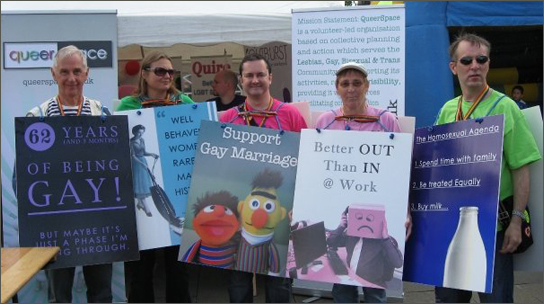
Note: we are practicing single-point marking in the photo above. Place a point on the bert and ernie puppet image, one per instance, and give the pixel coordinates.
(239, 234)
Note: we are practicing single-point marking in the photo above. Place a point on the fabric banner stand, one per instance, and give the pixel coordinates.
(163, 146)
(531, 260)
(27, 53)
(454, 201)
(251, 172)
(74, 187)
(323, 39)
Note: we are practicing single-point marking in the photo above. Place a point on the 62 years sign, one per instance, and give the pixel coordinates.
(74, 188)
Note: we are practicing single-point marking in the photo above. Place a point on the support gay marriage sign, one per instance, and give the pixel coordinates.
(454, 198)
(162, 147)
(241, 194)
(351, 199)
(74, 188)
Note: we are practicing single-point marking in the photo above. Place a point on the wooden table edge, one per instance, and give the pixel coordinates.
(50, 253)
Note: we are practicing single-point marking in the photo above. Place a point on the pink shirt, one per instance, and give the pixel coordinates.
(387, 119)
(288, 116)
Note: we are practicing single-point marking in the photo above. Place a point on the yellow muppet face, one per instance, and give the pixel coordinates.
(260, 212)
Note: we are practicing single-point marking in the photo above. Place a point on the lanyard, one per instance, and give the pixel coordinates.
(249, 115)
(157, 102)
(61, 106)
(459, 116)
(360, 118)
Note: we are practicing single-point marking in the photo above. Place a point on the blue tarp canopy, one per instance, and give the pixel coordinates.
(429, 82)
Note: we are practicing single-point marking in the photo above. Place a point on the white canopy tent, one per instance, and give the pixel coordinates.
(165, 23)
(186, 29)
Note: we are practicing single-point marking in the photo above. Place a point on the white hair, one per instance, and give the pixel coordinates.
(68, 51)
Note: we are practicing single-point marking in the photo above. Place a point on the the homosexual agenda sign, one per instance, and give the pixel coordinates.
(453, 201)
(163, 145)
(350, 201)
(74, 188)
(243, 177)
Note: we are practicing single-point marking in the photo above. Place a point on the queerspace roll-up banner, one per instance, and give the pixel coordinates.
(30, 41)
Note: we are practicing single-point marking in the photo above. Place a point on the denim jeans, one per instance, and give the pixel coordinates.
(97, 279)
(139, 277)
(278, 289)
(350, 294)
(503, 282)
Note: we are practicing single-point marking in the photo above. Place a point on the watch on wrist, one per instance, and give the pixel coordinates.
(518, 213)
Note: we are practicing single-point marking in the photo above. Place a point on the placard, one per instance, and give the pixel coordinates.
(350, 207)
(454, 198)
(74, 188)
(240, 198)
(163, 145)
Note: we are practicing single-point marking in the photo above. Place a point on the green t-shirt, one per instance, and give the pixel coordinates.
(135, 102)
(519, 146)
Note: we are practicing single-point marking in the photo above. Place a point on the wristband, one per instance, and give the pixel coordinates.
(518, 214)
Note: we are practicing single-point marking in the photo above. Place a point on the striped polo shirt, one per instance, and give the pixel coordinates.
(53, 108)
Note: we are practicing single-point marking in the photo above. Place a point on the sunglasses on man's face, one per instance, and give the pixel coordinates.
(161, 71)
(479, 59)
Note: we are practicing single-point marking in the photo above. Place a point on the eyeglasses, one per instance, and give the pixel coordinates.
(161, 71)
(479, 59)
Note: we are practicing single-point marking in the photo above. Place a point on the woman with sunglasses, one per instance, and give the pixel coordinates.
(156, 88)
(156, 85)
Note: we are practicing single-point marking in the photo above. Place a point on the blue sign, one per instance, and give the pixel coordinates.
(453, 201)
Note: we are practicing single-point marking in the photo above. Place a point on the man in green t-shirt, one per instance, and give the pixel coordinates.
(469, 55)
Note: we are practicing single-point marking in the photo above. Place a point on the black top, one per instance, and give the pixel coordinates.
(238, 100)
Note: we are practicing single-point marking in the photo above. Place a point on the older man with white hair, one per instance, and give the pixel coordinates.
(70, 71)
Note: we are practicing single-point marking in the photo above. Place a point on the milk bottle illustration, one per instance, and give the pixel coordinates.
(466, 262)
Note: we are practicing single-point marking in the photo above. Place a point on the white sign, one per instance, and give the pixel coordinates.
(341, 170)
(371, 35)
(531, 260)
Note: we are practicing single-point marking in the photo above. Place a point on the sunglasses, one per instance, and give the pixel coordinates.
(481, 59)
(161, 71)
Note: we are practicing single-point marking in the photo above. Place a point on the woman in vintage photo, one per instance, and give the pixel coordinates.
(140, 174)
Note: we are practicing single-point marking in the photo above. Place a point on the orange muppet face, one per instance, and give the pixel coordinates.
(215, 224)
